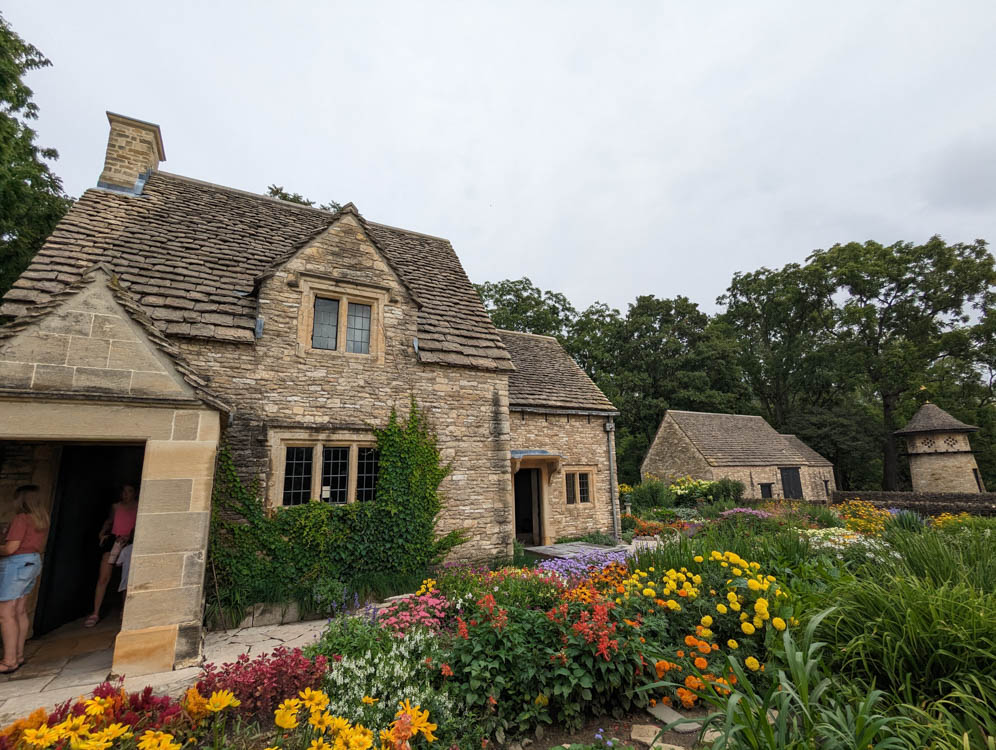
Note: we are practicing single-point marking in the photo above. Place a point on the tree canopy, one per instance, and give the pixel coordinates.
(840, 350)
(31, 197)
(277, 191)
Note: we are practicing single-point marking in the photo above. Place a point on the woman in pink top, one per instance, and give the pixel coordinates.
(20, 565)
(114, 535)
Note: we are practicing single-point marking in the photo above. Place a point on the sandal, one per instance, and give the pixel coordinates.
(90, 621)
(9, 671)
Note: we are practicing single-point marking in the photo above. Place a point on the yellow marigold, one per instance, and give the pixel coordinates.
(731, 597)
(752, 664)
(649, 592)
(753, 585)
(721, 608)
(747, 627)
(732, 644)
(735, 606)
(195, 704)
(698, 558)
(706, 621)
(778, 623)
(222, 699)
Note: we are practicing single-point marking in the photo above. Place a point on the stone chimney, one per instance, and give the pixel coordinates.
(134, 150)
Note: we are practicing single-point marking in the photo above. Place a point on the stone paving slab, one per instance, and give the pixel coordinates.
(71, 676)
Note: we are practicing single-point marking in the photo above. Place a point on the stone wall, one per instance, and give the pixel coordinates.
(672, 454)
(89, 345)
(581, 440)
(282, 384)
(944, 472)
(927, 503)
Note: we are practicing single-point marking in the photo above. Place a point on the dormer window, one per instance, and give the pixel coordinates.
(340, 316)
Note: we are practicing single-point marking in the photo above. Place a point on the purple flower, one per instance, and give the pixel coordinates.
(576, 568)
(745, 512)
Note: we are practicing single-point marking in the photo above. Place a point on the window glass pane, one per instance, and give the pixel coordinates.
(765, 490)
(335, 474)
(358, 329)
(571, 497)
(366, 473)
(326, 327)
(297, 475)
(584, 489)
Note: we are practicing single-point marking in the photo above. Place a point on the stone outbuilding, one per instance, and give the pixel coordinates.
(166, 316)
(940, 454)
(742, 447)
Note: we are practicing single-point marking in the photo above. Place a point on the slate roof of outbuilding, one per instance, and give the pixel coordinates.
(812, 457)
(932, 418)
(546, 377)
(190, 253)
(740, 440)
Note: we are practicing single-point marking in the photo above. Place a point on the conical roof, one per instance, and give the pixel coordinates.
(932, 418)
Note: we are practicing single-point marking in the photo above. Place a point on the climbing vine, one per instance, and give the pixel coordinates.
(302, 553)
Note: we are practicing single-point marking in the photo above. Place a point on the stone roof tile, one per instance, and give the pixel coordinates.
(199, 248)
(546, 376)
(932, 418)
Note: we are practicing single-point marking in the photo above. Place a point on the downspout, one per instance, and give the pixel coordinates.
(610, 429)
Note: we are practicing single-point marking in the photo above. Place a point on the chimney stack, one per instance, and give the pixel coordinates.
(134, 150)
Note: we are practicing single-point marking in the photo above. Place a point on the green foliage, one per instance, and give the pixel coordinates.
(650, 493)
(293, 553)
(351, 637)
(277, 191)
(595, 537)
(520, 306)
(796, 708)
(31, 196)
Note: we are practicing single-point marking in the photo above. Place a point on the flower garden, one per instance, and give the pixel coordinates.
(776, 626)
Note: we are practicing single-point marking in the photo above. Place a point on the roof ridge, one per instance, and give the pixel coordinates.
(528, 333)
(717, 414)
(406, 231)
(250, 194)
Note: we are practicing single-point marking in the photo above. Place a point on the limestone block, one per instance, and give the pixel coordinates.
(166, 495)
(133, 355)
(186, 425)
(160, 571)
(17, 374)
(145, 651)
(146, 609)
(155, 384)
(99, 379)
(189, 645)
(668, 715)
(70, 322)
(645, 734)
(44, 348)
(200, 493)
(53, 378)
(157, 533)
(112, 327)
(210, 426)
(193, 569)
(75, 420)
(175, 459)
(86, 352)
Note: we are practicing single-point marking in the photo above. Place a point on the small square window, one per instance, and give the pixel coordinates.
(358, 328)
(571, 487)
(335, 474)
(297, 475)
(584, 487)
(325, 330)
(766, 489)
(366, 474)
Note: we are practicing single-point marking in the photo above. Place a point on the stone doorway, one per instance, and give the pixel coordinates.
(528, 506)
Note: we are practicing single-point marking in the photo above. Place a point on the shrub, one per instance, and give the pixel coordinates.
(263, 682)
(727, 490)
(429, 609)
(293, 554)
(595, 537)
(863, 517)
(650, 493)
(351, 636)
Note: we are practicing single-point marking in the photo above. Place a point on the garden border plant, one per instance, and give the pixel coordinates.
(312, 554)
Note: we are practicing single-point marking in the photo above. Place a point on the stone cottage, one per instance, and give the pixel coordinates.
(166, 315)
(941, 458)
(741, 447)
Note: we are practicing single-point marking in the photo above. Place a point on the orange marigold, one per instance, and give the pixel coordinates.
(687, 697)
(701, 663)
(691, 640)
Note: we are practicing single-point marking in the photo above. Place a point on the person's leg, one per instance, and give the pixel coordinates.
(21, 612)
(9, 630)
(103, 579)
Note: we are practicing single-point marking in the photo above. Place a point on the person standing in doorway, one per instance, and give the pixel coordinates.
(116, 532)
(20, 565)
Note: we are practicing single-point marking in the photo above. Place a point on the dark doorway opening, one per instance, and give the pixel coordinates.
(90, 481)
(528, 522)
(791, 484)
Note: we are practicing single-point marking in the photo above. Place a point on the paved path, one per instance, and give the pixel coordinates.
(72, 661)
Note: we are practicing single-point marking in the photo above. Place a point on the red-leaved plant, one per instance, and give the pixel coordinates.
(261, 683)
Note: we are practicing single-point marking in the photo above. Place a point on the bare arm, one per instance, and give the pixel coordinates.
(9, 548)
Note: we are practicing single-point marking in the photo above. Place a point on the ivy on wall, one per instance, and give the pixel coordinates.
(301, 553)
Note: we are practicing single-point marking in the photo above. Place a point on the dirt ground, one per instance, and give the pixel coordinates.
(611, 728)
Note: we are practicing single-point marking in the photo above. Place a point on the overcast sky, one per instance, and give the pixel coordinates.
(605, 150)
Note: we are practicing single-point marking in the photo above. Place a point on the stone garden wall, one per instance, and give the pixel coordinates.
(927, 503)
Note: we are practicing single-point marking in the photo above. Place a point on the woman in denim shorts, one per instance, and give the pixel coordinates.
(20, 565)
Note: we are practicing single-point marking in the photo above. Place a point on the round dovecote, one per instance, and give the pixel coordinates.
(940, 453)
